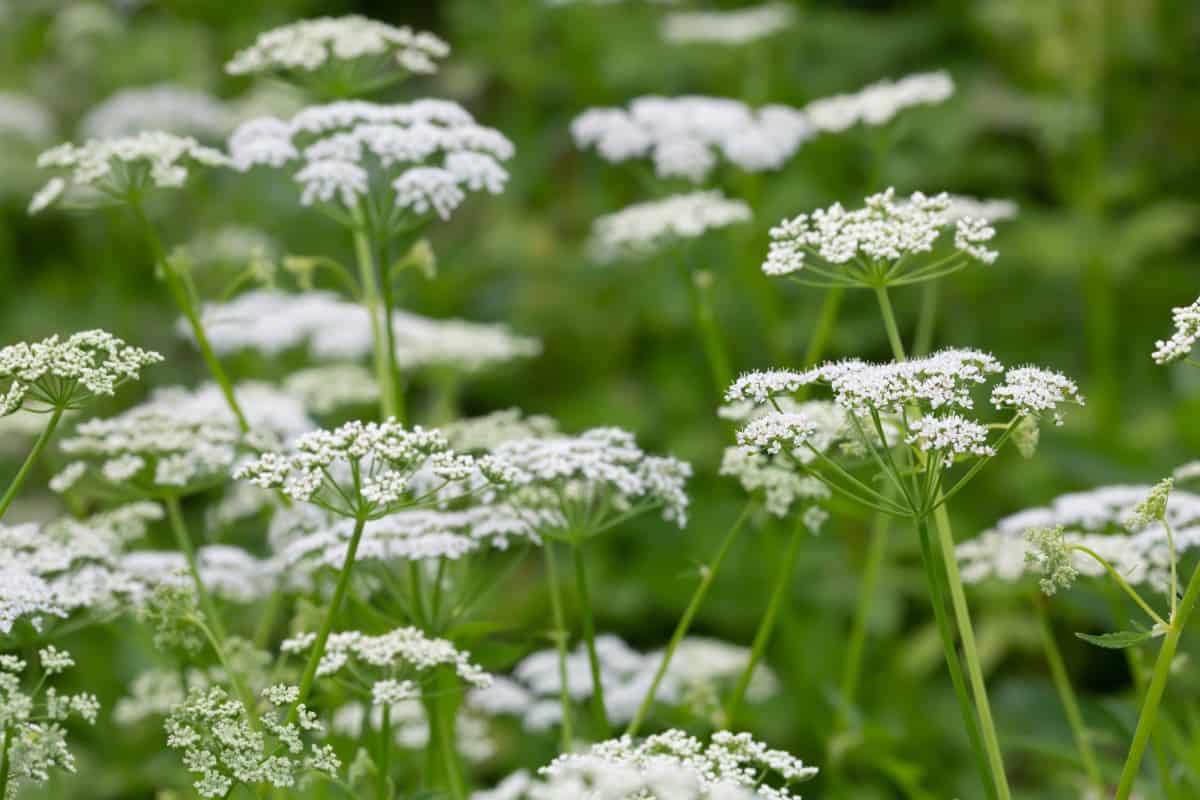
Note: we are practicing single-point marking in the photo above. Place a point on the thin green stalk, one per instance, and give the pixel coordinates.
(383, 777)
(962, 615)
(714, 346)
(889, 322)
(339, 592)
(1066, 695)
(707, 575)
(1158, 684)
(379, 336)
(826, 319)
(5, 761)
(589, 638)
(560, 643)
(447, 706)
(872, 569)
(926, 319)
(936, 579)
(395, 384)
(14, 488)
(416, 596)
(762, 637)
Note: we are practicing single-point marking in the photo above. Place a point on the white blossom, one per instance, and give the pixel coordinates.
(951, 436)
(166, 107)
(327, 388)
(407, 650)
(1032, 391)
(736, 27)
(1187, 330)
(641, 229)
(878, 103)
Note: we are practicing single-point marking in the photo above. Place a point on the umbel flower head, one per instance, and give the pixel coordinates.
(684, 136)
(641, 229)
(884, 243)
(912, 418)
(878, 103)
(730, 766)
(1187, 330)
(35, 741)
(65, 373)
(163, 107)
(369, 470)
(730, 28)
(341, 55)
(593, 481)
(121, 170)
(405, 162)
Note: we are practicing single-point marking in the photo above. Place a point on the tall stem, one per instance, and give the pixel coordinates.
(926, 319)
(339, 592)
(826, 319)
(589, 638)
(889, 322)
(872, 569)
(708, 575)
(395, 382)
(714, 346)
(560, 643)
(1158, 684)
(442, 762)
(383, 778)
(384, 359)
(213, 618)
(1066, 695)
(962, 615)
(182, 296)
(762, 637)
(5, 761)
(14, 487)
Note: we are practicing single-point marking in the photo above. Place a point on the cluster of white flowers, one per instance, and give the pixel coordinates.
(878, 103)
(883, 231)
(951, 436)
(311, 44)
(31, 720)
(326, 388)
(113, 168)
(366, 470)
(62, 373)
(684, 135)
(1187, 331)
(24, 118)
(227, 571)
(334, 329)
(699, 674)
(272, 413)
(1032, 391)
(224, 748)
(402, 651)
(165, 107)
(1096, 519)
(430, 152)
(738, 27)
(594, 478)
(966, 207)
(674, 764)
(641, 229)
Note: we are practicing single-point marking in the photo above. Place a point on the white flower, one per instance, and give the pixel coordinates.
(640, 229)
(878, 103)
(951, 436)
(1187, 330)
(56, 373)
(429, 188)
(684, 135)
(1032, 391)
(737, 27)
(759, 387)
(325, 389)
(401, 648)
(311, 44)
(164, 107)
(773, 433)
(118, 167)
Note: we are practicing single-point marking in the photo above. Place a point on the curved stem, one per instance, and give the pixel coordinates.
(560, 642)
(14, 487)
(1154, 692)
(958, 600)
(339, 592)
(783, 579)
(708, 575)
(589, 638)
(1121, 582)
(1066, 695)
(872, 568)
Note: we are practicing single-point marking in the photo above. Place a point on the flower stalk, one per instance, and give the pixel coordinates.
(14, 486)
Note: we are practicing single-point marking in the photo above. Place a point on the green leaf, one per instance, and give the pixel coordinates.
(1116, 641)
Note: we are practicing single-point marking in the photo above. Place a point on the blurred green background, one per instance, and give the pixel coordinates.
(1084, 112)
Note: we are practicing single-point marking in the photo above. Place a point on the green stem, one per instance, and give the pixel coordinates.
(214, 627)
(1066, 695)
(962, 615)
(560, 643)
(826, 319)
(1158, 684)
(589, 637)
(872, 569)
(936, 580)
(339, 592)
(418, 598)
(14, 487)
(926, 319)
(5, 761)
(708, 575)
(383, 777)
(384, 361)
(447, 707)
(889, 322)
(714, 346)
(395, 384)
(762, 637)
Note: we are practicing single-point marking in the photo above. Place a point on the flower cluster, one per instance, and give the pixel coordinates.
(31, 721)
(878, 103)
(333, 329)
(683, 136)
(224, 748)
(366, 470)
(641, 229)
(879, 244)
(1187, 331)
(311, 44)
(63, 373)
(398, 652)
(742, 26)
(325, 388)
(429, 153)
(485, 433)
(101, 170)
(165, 107)
(594, 480)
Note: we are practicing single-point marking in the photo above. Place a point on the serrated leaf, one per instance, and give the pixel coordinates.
(1116, 641)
